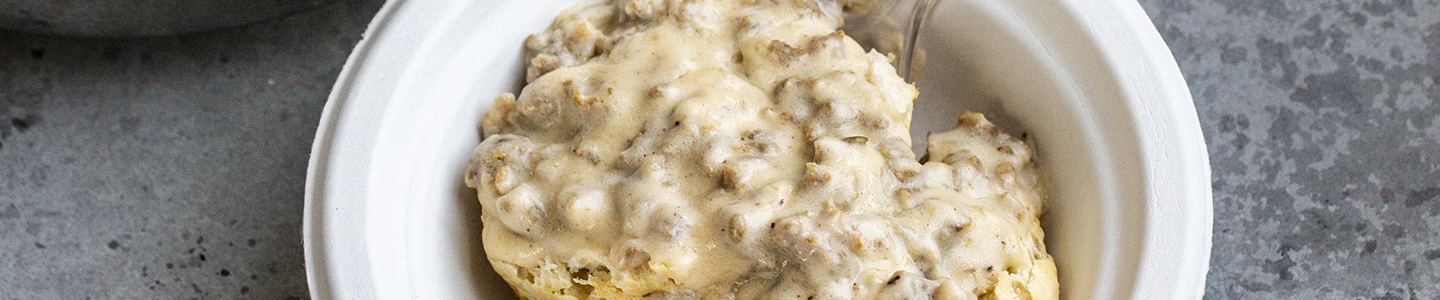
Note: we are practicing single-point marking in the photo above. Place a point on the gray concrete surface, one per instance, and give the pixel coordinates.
(173, 167)
(131, 18)
(163, 168)
(1324, 135)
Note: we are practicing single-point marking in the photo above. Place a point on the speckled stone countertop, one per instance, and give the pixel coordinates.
(173, 167)
(1324, 133)
(164, 168)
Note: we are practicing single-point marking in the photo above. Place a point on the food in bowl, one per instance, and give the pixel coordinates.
(744, 149)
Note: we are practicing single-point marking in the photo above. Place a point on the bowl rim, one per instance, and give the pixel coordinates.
(313, 230)
(329, 274)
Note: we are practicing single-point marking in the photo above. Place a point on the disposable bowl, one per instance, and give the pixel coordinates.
(1129, 215)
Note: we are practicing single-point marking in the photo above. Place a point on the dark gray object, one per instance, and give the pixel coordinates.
(135, 18)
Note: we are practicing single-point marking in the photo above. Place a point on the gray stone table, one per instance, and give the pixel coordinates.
(1324, 136)
(172, 167)
(164, 167)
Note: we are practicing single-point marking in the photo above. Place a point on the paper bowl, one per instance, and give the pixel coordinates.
(1129, 216)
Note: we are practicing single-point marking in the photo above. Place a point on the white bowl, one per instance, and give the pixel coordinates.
(387, 214)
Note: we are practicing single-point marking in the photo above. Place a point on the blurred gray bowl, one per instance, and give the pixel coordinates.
(137, 18)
